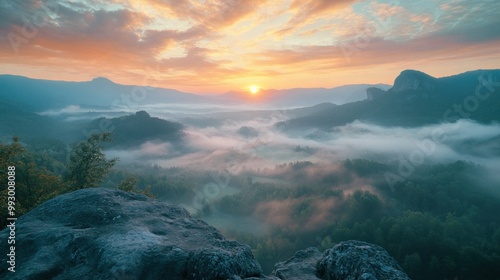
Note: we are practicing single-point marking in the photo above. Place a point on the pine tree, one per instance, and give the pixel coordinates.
(88, 164)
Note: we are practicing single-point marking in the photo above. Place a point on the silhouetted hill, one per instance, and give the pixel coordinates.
(136, 129)
(44, 94)
(17, 119)
(413, 80)
(302, 97)
(417, 99)
(101, 92)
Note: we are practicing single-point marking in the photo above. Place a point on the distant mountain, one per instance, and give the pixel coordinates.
(134, 130)
(43, 95)
(303, 97)
(417, 99)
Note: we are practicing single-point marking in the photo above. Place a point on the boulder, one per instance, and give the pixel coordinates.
(302, 266)
(356, 260)
(103, 233)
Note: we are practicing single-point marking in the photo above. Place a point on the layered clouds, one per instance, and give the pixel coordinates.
(247, 147)
(222, 145)
(317, 158)
(215, 46)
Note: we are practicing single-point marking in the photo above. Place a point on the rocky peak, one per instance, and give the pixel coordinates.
(142, 115)
(367, 261)
(101, 81)
(104, 233)
(413, 80)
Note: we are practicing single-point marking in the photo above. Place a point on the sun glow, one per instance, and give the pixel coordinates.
(254, 89)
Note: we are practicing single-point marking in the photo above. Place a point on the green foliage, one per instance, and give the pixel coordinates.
(364, 167)
(144, 127)
(129, 184)
(88, 164)
(39, 171)
(34, 184)
(439, 224)
(412, 263)
(170, 184)
(8, 154)
(362, 205)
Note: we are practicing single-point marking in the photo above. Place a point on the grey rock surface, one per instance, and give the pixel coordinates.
(302, 266)
(415, 81)
(356, 260)
(109, 234)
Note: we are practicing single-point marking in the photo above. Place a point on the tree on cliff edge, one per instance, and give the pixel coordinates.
(88, 164)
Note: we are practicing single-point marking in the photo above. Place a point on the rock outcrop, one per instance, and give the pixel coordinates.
(110, 234)
(302, 266)
(352, 260)
(412, 80)
(348, 260)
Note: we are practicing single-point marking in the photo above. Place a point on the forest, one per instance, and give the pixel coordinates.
(439, 223)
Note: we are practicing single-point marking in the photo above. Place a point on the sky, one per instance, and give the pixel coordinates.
(215, 46)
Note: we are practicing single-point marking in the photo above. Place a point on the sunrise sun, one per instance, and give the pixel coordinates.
(254, 89)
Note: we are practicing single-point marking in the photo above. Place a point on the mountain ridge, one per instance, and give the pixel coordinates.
(101, 91)
(145, 128)
(417, 99)
(304, 97)
(48, 94)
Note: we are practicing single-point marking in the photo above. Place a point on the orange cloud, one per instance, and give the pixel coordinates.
(222, 45)
(309, 10)
(211, 13)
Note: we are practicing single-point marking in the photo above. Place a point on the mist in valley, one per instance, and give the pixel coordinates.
(239, 171)
(280, 180)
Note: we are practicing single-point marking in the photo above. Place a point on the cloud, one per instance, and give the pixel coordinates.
(283, 213)
(219, 45)
(222, 146)
(307, 11)
(211, 13)
(82, 34)
(71, 109)
(316, 162)
(146, 151)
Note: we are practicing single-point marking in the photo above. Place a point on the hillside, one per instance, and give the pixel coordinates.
(44, 94)
(18, 120)
(133, 130)
(417, 99)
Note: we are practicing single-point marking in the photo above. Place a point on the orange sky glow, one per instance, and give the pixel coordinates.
(212, 46)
